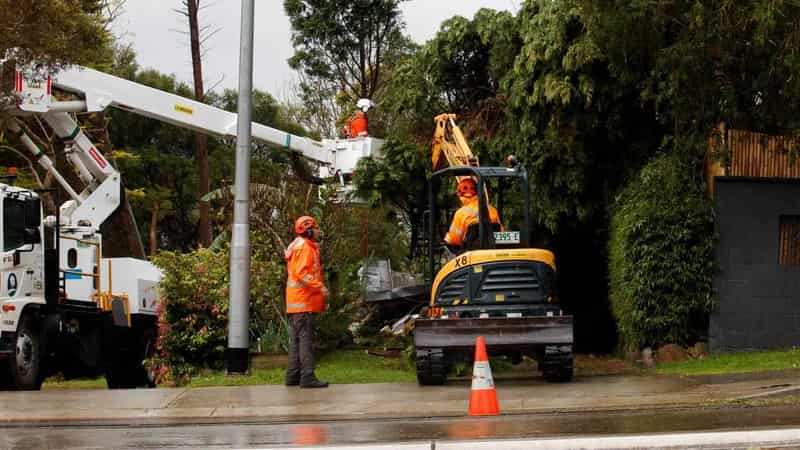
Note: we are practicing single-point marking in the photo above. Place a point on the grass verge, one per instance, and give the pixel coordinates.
(80, 383)
(339, 367)
(737, 362)
(357, 366)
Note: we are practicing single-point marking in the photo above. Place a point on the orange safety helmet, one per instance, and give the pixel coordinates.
(467, 188)
(303, 224)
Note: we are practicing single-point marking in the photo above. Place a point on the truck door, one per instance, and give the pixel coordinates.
(79, 265)
(20, 262)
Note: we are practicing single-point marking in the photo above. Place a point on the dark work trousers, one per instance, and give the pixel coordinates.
(301, 350)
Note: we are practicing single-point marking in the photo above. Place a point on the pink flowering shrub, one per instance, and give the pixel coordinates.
(193, 314)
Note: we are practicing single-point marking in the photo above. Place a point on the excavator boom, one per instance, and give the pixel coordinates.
(449, 145)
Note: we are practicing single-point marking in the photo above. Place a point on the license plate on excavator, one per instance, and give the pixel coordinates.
(506, 237)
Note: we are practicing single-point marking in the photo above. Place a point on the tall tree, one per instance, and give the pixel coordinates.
(341, 48)
(192, 12)
(53, 33)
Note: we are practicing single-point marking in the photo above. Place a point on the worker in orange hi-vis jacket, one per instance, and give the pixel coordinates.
(306, 296)
(467, 215)
(357, 123)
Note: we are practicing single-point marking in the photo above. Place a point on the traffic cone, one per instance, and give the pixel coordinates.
(483, 396)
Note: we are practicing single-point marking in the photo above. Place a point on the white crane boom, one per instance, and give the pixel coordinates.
(100, 90)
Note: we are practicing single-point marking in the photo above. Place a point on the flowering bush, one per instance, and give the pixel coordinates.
(193, 321)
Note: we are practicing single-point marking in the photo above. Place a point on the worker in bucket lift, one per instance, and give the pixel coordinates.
(467, 215)
(306, 295)
(357, 123)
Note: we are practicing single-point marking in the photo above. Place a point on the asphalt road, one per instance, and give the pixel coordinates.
(391, 433)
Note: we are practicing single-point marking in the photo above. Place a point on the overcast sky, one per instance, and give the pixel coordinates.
(155, 30)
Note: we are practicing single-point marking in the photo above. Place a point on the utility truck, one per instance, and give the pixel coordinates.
(63, 306)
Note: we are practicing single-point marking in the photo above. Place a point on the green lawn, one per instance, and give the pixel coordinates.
(738, 362)
(339, 367)
(82, 383)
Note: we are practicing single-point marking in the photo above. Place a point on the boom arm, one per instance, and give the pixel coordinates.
(102, 90)
(448, 141)
(99, 90)
(102, 193)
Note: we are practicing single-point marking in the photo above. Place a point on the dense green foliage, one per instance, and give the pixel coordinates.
(343, 51)
(585, 94)
(54, 32)
(661, 257)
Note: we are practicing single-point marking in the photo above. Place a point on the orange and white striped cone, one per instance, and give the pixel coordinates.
(483, 396)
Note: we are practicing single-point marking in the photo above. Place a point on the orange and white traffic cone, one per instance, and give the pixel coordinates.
(483, 396)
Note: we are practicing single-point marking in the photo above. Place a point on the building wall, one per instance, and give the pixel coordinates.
(758, 303)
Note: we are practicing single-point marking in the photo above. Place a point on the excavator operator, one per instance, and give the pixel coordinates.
(467, 215)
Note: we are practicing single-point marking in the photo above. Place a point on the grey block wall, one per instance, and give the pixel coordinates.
(758, 299)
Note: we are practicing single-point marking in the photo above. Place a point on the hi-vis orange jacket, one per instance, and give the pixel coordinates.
(304, 284)
(464, 217)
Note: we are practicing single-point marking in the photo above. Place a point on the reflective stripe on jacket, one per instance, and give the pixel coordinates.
(464, 217)
(304, 283)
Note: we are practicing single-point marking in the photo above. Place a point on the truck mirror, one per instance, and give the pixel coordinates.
(33, 213)
(32, 236)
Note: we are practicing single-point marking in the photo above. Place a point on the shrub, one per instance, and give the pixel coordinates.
(661, 258)
(193, 321)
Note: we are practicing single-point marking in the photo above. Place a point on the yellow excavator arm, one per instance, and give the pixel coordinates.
(448, 141)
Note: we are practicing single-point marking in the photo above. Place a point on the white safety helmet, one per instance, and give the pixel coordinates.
(365, 104)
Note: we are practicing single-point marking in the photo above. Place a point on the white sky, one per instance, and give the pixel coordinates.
(155, 30)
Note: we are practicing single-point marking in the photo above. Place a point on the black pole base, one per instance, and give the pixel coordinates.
(238, 361)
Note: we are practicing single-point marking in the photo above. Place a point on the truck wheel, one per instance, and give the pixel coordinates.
(27, 372)
(431, 367)
(126, 370)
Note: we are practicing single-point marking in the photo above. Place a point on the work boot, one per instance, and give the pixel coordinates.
(292, 378)
(313, 382)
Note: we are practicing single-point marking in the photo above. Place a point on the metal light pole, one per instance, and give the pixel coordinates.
(238, 333)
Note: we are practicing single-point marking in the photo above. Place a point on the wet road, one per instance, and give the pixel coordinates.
(254, 434)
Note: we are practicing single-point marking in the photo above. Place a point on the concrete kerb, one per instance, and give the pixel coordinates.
(202, 416)
(278, 404)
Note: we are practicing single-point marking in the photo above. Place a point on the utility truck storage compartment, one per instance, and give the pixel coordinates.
(136, 278)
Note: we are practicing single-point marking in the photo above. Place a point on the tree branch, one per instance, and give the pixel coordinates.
(28, 160)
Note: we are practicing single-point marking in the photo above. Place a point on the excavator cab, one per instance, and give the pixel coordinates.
(504, 189)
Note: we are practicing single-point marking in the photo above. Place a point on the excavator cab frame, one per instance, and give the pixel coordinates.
(486, 233)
